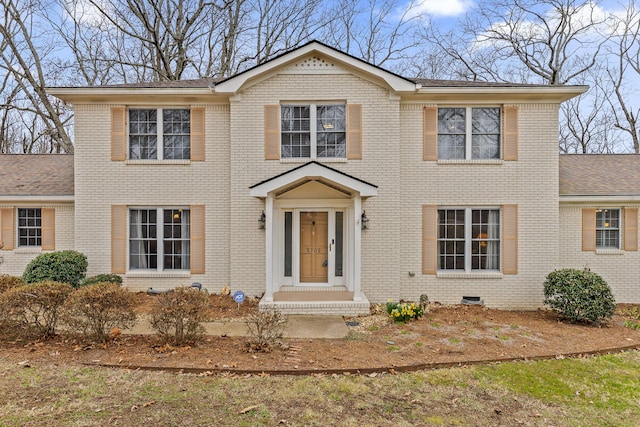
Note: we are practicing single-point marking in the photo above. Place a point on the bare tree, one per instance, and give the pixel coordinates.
(626, 65)
(22, 59)
(377, 31)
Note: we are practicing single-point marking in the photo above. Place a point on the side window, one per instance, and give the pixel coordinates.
(30, 227)
(608, 228)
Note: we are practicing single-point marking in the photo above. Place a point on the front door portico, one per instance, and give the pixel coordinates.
(313, 229)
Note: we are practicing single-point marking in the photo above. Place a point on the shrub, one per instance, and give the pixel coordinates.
(402, 312)
(179, 314)
(36, 306)
(579, 295)
(63, 266)
(100, 278)
(96, 310)
(7, 282)
(265, 329)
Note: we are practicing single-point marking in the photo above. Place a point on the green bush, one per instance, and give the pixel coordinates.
(97, 310)
(579, 295)
(179, 314)
(7, 282)
(36, 306)
(63, 266)
(100, 278)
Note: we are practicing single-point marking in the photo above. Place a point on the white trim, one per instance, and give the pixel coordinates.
(311, 171)
(635, 198)
(235, 84)
(27, 199)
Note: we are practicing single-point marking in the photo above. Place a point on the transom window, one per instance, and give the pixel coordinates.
(30, 227)
(313, 131)
(608, 228)
(469, 239)
(159, 239)
(159, 134)
(460, 138)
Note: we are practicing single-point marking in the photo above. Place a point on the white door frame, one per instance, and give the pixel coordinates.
(274, 211)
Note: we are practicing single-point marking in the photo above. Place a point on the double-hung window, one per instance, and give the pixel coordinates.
(469, 133)
(313, 131)
(159, 239)
(468, 239)
(159, 134)
(608, 228)
(29, 227)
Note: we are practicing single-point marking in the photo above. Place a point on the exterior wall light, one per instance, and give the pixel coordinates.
(262, 221)
(364, 221)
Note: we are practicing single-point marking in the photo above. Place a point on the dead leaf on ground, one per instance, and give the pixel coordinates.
(248, 409)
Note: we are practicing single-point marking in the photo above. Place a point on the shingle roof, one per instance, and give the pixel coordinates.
(470, 83)
(600, 175)
(170, 84)
(36, 175)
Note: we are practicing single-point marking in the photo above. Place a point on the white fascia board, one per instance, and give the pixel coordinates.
(310, 172)
(71, 94)
(600, 199)
(234, 84)
(37, 199)
(555, 92)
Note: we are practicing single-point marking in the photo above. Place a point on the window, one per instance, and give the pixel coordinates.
(159, 239)
(460, 138)
(469, 239)
(159, 134)
(30, 227)
(313, 131)
(607, 228)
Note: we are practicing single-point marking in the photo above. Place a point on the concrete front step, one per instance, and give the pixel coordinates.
(323, 307)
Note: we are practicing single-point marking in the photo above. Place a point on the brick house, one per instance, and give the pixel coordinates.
(323, 183)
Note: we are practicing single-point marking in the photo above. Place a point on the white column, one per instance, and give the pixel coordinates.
(357, 256)
(268, 211)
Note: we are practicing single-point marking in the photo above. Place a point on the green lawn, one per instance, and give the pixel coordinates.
(602, 391)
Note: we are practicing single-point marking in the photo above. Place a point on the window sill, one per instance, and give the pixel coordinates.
(609, 252)
(157, 162)
(157, 274)
(474, 275)
(28, 250)
(485, 162)
(317, 159)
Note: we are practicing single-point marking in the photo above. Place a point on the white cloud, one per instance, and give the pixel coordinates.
(443, 8)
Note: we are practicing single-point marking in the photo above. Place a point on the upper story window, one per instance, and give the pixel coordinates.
(30, 227)
(469, 133)
(313, 131)
(159, 134)
(608, 228)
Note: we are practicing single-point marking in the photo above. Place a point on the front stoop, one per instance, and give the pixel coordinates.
(318, 301)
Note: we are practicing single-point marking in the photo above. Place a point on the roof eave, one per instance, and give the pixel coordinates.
(591, 198)
(550, 92)
(96, 94)
(26, 198)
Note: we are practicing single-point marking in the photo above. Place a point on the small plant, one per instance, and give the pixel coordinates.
(96, 310)
(454, 340)
(7, 282)
(36, 306)
(265, 329)
(632, 324)
(424, 301)
(101, 278)
(402, 312)
(418, 344)
(356, 336)
(179, 314)
(63, 266)
(579, 295)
